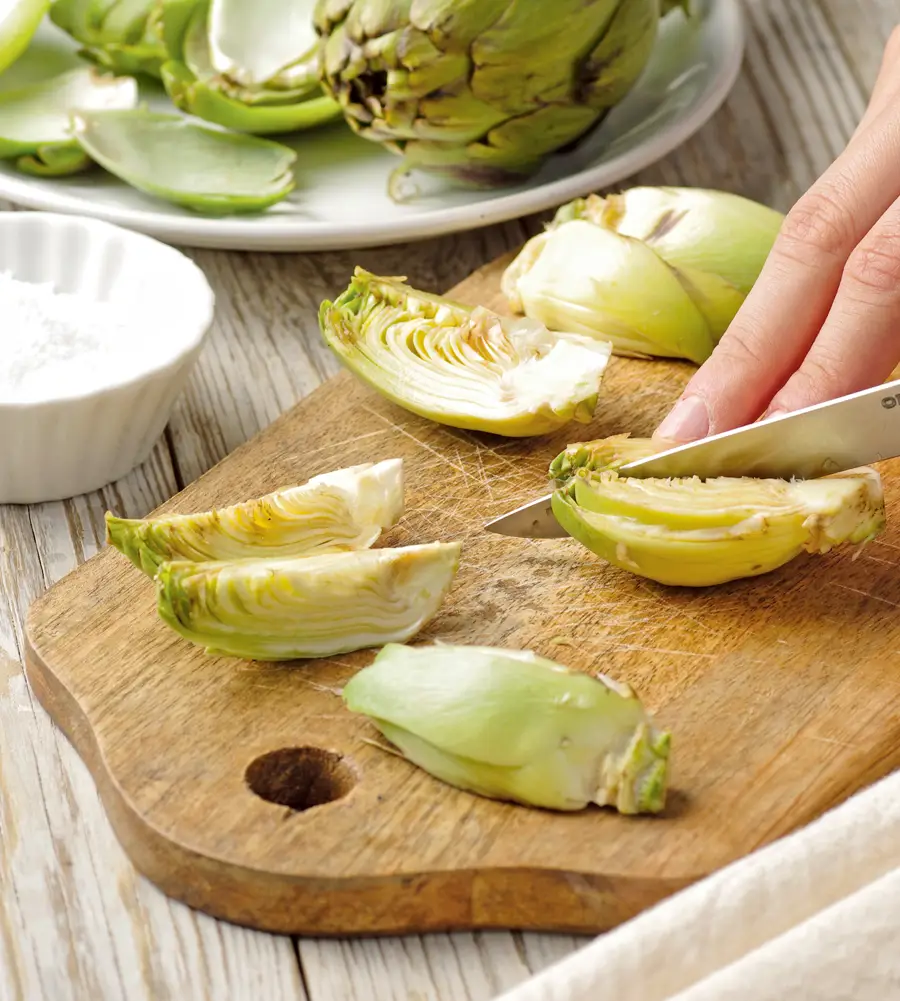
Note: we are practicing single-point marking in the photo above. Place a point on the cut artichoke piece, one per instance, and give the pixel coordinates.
(35, 121)
(336, 512)
(314, 606)
(605, 453)
(511, 725)
(467, 368)
(660, 271)
(696, 533)
(471, 89)
(199, 168)
(123, 36)
(19, 20)
(250, 67)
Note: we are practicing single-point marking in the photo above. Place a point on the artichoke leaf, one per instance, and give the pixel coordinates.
(466, 368)
(340, 511)
(19, 20)
(313, 606)
(199, 168)
(511, 725)
(694, 533)
(35, 121)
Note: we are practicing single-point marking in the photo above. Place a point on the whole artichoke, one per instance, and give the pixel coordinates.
(481, 91)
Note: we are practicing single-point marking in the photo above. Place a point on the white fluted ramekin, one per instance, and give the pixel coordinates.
(71, 445)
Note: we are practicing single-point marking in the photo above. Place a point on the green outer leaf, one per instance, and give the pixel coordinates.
(19, 20)
(55, 160)
(200, 168)
(312, 606)
(195, 98)
(510, 725)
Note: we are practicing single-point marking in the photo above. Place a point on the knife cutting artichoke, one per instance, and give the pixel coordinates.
(656, 271)
(335, 512)
(481, 91)
(510, 725)
(696, 533)
(467, 368)
(312, 606)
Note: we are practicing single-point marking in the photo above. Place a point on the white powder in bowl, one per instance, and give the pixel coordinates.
(54, 345)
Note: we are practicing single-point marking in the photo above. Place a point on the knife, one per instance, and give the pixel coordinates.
(830, 437)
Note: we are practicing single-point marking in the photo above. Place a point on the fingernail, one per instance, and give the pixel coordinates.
(688, 421)
(778, 412)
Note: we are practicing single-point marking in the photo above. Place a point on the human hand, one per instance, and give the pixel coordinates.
(823, 319)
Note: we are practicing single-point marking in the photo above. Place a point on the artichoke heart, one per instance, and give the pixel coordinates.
(314, 606)
(467, 368)
(694, 533)
(511, 725)
(473, 90)
(335, 512)
(658, 271)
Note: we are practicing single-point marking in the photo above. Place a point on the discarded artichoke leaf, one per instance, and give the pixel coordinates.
(510, 725)
(250, 68)
(313, 606)
(199, 168)
(697, 252)
(19, 20)
(467, 368)
(695, 533)
(340, 511)
(443, 84)
(603, 454)
(35, 121)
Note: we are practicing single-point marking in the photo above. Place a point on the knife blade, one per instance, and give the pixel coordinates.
(831, 437)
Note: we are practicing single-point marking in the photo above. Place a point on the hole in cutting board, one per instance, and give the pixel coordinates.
(300, 777)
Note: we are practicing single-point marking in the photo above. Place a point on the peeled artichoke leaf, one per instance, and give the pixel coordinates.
(466, 368)
(35, 121)
(197, 167)
(19, 20)
(314, 606)
(256, 43)
(512, 725)
(339, 511)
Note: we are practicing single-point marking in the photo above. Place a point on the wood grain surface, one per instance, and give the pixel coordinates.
(76, 922)
(247, 791)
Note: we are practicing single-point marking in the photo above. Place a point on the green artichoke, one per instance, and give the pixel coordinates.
(251, 67)
(124, 36)
(510, 725)
(19, 20)
(481, 91)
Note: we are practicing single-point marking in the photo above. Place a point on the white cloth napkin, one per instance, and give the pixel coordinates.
(815, 915)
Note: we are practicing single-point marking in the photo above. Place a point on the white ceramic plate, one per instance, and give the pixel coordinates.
(341, 198)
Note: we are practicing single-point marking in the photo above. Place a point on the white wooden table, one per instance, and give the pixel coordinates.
(76, 921)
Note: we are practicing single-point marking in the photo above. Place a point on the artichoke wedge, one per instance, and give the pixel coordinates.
(199, 168)
(336, 512)
(251, 67)
(19, 20)
(35, 121)
(123, 36)
(475, 90)
(511, 725)
(314, 606)
(695, 533)
(467, 368)
(658, 271)
(605, 453)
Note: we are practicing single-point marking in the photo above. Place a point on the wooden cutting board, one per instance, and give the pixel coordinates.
(247, 791)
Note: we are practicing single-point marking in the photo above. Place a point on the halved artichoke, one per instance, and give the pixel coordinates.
(313, 606)
(511, 725)
(251, 67)
(124, 36)
(658, 271)
(19, 20)
(696, 533)
(335, 512)
(35, 121)
(467, 368)
(200, 168)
